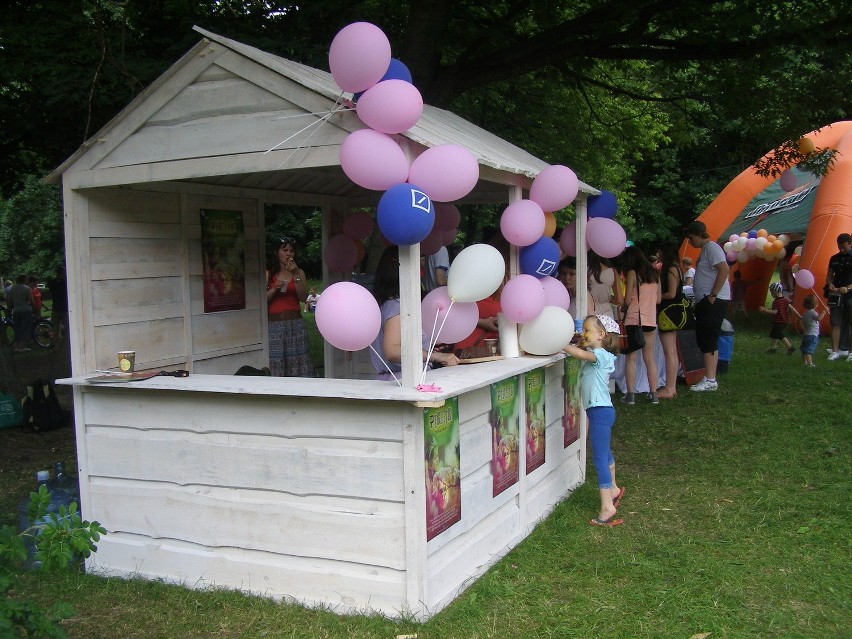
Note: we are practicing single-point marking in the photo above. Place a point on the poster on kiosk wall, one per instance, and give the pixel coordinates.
(534, 394)
(504, 434)
(443, 462)
(571, 416)
(223, 260)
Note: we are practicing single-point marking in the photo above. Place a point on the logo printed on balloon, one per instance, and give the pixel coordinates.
(546, 267)
(419, 200)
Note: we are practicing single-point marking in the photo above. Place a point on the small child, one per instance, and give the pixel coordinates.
(596, 349)
(810, 322)
(781, 309)
(311, 300)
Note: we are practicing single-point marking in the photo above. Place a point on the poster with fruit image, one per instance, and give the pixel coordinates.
(223, 260)
(571, 416)
(443, 461)
(505, 427)
(534, 394)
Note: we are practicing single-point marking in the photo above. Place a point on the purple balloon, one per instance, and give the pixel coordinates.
(359, 56)
(606, 237)
(568, 239)
(787, 182)
(348, 316)
(804, 278)
(554, 188)
(359, 225)
(603, 205)
(340, 253)
(731, 256)
(522, 299)
(555, 293)
(459, 320)
(373, 160)
(446, 172)
(447, 216)
(522, 223)
(430, 244)
(540, 258)
(391, 106)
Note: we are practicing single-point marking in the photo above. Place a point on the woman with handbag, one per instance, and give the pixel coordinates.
(642, 294)
(671, 314)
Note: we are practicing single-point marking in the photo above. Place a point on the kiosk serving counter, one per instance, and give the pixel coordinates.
(310, 489)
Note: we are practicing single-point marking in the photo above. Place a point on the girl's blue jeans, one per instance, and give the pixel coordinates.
(601, 419)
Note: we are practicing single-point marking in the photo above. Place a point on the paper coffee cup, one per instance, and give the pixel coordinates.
(126, 361)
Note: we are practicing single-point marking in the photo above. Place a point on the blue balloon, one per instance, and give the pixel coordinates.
(540, 258)
(396, 71)
(603, 205)
(752, 234)
(629, 243)
(405, 214)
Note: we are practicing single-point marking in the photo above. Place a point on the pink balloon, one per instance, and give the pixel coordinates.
(731, 256)
(359, 56)
(348, 316)
(391, 106)
(359, 225)
(459, 321)
(522, 299)
(447, 216)
(750, 243)
(446, 172)
(522, 223)
(555, 293)
(606, 237)
(804, 278)
(554, 188)
(432, 242)
(340, 253)
(373, 160)
(787, 182)
(568, 239)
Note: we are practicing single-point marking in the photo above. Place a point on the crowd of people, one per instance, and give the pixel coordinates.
(25, 305)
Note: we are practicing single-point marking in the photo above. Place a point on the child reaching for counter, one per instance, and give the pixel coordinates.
(596, 349)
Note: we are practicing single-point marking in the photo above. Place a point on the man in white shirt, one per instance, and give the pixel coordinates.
(435, 269)
(712, 295)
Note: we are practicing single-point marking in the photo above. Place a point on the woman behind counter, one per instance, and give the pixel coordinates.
(286, 289)
(388, 344)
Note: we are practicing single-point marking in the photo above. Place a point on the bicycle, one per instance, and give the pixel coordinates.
(42, 328)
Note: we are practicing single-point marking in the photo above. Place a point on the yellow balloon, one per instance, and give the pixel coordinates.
(762, 233)
(806, 146)
(744, 234)
(549, 225)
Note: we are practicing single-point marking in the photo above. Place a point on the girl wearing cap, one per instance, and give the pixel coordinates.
(596, 349)
(286, 289)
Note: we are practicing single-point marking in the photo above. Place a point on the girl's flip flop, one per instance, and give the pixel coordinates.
(617, 500)
(612, 521)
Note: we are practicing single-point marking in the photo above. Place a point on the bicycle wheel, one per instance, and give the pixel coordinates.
(43, 333)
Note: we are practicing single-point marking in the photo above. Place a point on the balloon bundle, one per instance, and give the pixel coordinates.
(755, 244)
(604, 235)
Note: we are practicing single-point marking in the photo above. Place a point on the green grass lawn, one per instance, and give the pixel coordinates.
(737, 524)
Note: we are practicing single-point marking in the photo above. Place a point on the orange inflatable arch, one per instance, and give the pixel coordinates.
(831, 216)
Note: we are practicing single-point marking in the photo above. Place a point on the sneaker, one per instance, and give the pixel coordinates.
(791, 350)
(849, 358)
(812, 365)
(652, 397)
(843, 353)
(628, 399)
(835, 355)
(705, 385)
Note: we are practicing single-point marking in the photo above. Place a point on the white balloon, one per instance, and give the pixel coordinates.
(548, 333)
(476, 273)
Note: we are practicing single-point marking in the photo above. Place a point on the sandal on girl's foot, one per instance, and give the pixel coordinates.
(612, 521)
(617, 500)
(662, 394)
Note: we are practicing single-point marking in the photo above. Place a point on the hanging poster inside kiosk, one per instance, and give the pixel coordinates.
(534, 394)
(442, 454)
(223, 260)
(571, 416)
(505, 428)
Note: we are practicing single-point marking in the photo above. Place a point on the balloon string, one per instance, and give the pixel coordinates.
(432, 337)
(825, 232)
(433, 341)
(399, 383)
(337, 108)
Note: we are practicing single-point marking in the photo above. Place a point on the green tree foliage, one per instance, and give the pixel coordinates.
(31, 230)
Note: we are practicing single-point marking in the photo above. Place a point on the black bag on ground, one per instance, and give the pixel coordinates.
(41, 407)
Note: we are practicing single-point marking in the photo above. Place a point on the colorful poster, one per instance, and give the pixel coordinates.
(505, 427)
(571, 416)
(223, 260)
(536, 422)
(443, 483)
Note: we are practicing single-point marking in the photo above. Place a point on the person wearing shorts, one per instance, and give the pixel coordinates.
(712, 295)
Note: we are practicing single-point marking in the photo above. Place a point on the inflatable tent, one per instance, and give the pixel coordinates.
(817, 210)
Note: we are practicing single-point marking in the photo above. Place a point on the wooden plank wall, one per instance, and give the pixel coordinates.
(146, 288)
(296, 498)
(491, 526)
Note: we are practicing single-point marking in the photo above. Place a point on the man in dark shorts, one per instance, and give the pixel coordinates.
(839, 282)
(712, 297)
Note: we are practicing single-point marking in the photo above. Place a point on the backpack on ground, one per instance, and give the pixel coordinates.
(41, 407)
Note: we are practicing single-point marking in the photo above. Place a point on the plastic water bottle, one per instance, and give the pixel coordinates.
(57, 498)
(62, 481)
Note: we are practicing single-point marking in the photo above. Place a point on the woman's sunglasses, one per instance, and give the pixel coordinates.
(286, 240)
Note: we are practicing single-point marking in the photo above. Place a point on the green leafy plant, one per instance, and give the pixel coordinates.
(60, 539)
